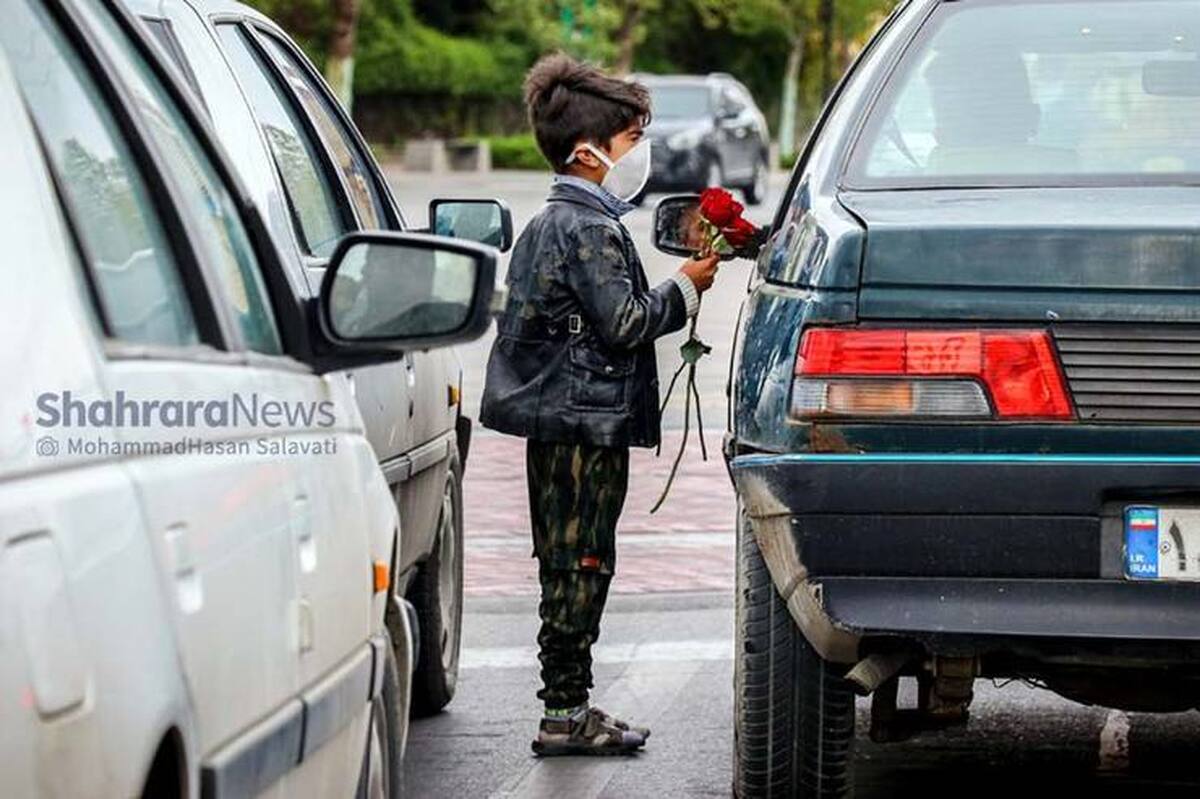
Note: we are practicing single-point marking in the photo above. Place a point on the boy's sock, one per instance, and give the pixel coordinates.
(565, 712)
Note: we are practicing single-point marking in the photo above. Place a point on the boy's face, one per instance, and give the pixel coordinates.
(587, 165)
(623, 142)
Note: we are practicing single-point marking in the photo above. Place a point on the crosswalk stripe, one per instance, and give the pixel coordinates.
(515, 657)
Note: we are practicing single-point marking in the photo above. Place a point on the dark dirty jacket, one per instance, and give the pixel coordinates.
(574, 358)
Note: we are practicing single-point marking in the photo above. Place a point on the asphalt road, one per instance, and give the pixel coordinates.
(666, 660)
(665, 656)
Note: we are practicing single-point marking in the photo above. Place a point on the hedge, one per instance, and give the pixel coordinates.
(399, 54)
(516, 152)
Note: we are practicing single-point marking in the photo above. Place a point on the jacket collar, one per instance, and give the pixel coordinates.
(572, 189)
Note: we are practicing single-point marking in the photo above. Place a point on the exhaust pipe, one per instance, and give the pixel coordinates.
(874, 670)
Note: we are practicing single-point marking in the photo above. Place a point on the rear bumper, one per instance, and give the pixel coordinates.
(964, 546)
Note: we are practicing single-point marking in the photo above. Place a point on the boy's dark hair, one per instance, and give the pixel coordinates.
(569, 101)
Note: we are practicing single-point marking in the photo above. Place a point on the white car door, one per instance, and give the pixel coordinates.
(329, 194)
(420, 426)
(265, 518)
(219, 523)
(79, 594)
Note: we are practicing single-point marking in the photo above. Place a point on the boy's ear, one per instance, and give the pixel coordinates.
(586, 157)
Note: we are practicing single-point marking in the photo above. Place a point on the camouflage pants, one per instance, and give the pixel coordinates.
(576, 493)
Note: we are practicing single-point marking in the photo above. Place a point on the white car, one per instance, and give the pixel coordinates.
(303, 160)
(196, 542)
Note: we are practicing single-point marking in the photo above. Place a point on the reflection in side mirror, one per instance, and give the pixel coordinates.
(485, 221)
(677, 228)
(680, 230)
(403, 290)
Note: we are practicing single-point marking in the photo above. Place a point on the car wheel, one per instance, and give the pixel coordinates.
(438, 597)
(793, 711)
(381, 776)
(756, 192)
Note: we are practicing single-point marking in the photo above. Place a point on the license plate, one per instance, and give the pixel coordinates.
(1162, 543)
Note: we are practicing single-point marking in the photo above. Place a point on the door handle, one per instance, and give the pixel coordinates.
(410, 374)
(189, 584)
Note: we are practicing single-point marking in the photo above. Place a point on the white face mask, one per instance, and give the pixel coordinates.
(628, 174)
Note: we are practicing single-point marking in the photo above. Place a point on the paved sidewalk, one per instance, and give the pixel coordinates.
(686, 546)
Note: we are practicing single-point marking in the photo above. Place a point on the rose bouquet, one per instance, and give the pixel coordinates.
(717, 227)
(721, 223)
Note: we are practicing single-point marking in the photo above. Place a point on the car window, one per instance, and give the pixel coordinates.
(210, 209)
(314, 205)
(133, 267)
(165, 35)
(679, 101)
(1074, 92)
(346, 154)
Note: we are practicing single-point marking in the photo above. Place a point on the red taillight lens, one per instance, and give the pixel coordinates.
(1019, 368)
(1022, 372)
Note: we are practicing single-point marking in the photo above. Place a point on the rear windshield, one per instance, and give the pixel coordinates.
(679, 102)
(1049, 92)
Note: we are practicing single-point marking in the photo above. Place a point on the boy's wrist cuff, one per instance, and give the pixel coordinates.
(691, 297)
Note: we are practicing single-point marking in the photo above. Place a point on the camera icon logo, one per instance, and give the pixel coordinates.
(47, 446)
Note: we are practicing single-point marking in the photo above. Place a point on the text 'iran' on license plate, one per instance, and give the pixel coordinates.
(1162, 543)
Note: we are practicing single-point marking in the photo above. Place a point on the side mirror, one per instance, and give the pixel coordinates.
(679, 229)
(485, 221)
(397, 291)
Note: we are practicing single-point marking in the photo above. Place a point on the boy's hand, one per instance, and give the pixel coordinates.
(701, 271)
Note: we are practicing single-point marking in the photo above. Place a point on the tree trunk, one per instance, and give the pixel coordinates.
(791, 87)
(626, 36)
(339, 66)
(828, 47)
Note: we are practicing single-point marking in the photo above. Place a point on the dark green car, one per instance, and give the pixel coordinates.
(967, 388)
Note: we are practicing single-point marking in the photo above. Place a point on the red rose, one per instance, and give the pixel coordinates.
(719, 207)
(740, 233)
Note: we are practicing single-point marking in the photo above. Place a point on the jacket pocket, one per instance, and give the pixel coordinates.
(599, 381)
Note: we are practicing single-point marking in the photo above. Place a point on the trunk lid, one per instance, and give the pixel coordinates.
(1050, 255)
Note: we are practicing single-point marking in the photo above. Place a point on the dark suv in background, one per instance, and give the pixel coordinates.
(706, 131)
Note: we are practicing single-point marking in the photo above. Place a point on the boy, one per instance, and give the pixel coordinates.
(573, 371)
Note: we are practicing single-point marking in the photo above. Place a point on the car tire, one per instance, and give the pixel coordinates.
(793, 711)
(382, 775)
(756, 191)
(437, 595)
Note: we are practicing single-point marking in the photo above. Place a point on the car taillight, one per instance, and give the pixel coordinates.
(1003, 374)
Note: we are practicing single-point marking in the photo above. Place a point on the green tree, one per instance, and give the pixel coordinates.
(755, 18)
(631, 30)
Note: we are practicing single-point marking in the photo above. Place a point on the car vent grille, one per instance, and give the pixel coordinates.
(1144, 373)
